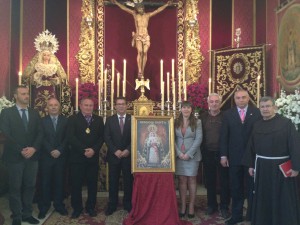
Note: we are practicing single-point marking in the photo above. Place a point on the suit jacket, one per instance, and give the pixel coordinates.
(79, 139)
(235, 134)
(17, 137)
(192, 141)
(114, 139)
(54, 139)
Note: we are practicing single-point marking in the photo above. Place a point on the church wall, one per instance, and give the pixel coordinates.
(5, 47)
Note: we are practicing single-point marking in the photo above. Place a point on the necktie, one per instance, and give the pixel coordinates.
(24, 118)
(242, 115)
(54, 121)
(121, 124)
(88, 119)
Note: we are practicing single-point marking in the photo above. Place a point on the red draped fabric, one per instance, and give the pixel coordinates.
(154, 201)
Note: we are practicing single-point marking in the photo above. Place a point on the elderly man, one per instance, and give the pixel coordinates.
(53, 159)
(274, 140)
(211, 126)
(22, 128)
(236, 128)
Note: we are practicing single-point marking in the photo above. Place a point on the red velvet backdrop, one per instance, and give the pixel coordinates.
(261, 22)
(162, 30)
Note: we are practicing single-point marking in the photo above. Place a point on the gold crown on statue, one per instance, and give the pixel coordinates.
(152, 128)
(46, 41)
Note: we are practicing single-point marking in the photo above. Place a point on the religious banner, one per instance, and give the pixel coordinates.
(239, 68)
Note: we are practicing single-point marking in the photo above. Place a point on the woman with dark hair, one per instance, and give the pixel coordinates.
(188, 137)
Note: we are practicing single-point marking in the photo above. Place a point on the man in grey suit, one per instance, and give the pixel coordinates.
(53, 159)
(22, 129)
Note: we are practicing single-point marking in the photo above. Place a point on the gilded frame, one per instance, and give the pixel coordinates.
(152, 144)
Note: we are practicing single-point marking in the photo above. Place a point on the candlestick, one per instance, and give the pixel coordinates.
(179, 87)
(118, 84)
(168, 86)
(105, 85)
(183, 70)
(185, 90)
(99, 94)
(102, 72)
(162, 96)
(258, 90)
(112, 97)
(20, 78)
(76, 93)
(112, 69)
(124, 77)
(174, 96)
(161, 73)
(209, 86)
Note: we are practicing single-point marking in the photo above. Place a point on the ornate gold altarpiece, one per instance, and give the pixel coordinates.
(92, 50)
(239, 68)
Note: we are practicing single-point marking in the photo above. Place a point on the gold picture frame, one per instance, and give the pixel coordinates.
(152, 144)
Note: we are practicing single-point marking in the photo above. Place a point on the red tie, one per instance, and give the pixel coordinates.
(121, 123)
(242, 115)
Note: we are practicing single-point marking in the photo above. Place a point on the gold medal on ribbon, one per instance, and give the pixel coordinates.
(87, 130)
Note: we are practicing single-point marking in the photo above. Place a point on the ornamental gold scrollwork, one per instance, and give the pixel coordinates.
(100, 34)
(86, 54)
(193, 55)
(180, 35)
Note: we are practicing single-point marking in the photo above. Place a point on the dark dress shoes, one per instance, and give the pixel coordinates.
(31, 220)
(62, 212)
(75, 214)
(41, 215)
(16, 222)
(210, 210)
(109, 211)
(233, 221)
(224, 213)
(91, 212)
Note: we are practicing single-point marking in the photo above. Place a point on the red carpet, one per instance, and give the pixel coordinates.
(118, 216)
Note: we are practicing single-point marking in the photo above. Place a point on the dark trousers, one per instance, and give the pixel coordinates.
(80, 172)
(52, 171)
(240, 183)
(22, 179)
(124, 165)
(213, 170)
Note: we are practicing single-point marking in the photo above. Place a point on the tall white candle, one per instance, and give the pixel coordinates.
(162, 95)
(99, 94)
(102, 72)
(174, 96)
(185, 90)
(105, 85)
(209, 86)
(76, 94)
(118, 84)
(168, 86)
(112, 69)
(161, 71)
(20, 78)
(112, 96)
(173, 69)
(124, 77)
(258, 90)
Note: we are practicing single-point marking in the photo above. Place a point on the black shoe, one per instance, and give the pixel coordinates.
(31, 220)
(16, 222)
(233, 221)
(92, 212)
(181, 215)
(62, 211)
(41, 215)
(109, 211)
(210, 210)
(225, 214)
(75, 214)
(191, 216)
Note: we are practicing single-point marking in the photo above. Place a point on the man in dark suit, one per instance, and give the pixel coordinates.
(85, 136)
(52, 159)
(235, 131)
(22, 129)
(117, 137)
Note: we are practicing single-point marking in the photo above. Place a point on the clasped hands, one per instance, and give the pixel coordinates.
(28, 152)
(89, 152)
(184, 156)
(122, 154)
